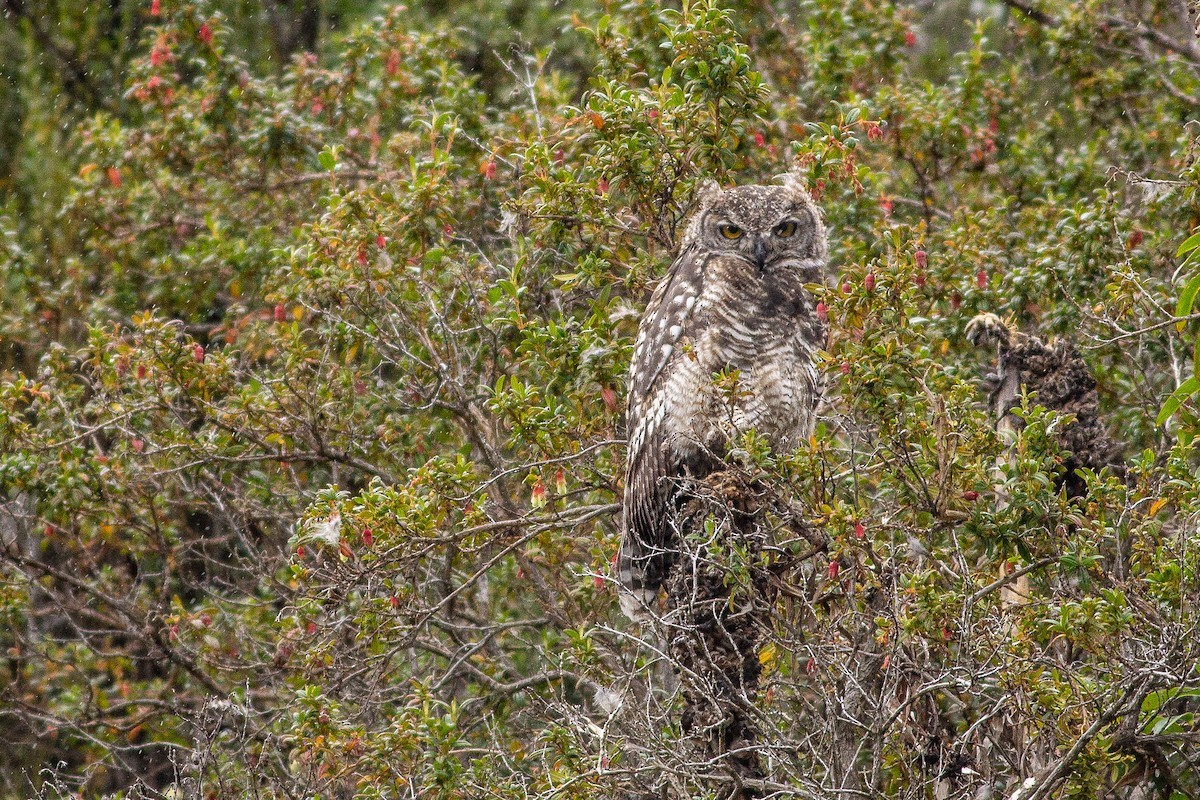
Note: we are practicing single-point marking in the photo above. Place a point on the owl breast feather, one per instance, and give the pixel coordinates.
(762, 338)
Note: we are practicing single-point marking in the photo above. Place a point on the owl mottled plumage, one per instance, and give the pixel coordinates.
(727, 343)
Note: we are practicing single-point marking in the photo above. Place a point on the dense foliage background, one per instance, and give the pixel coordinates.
(313, 338)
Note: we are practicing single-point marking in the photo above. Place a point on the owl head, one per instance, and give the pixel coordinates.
(771, 227)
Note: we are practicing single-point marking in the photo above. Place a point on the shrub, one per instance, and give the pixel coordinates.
(312, 443)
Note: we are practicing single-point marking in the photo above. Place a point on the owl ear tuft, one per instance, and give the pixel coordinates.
(795, 179)
(707, 191)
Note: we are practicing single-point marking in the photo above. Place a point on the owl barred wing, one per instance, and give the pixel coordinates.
(642, 559)
(653, 466)
(664, 323)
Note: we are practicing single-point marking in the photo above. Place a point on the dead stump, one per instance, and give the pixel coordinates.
(721, 593)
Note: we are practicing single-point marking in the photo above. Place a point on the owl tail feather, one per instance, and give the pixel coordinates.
(636, 597)
(635, 604)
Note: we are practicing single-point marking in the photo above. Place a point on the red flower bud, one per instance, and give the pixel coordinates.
(910, 38)
(114, 177)
(759, 139)
(155, 7)
(160, 54)
(280, 313)
(205, 33)
(970, 495)
(981, 278)
(395, 601)
(834, 569)
(920, 258)
(847, 288)
(845, 368)
(368, 537)
(489, 170)
(859, 530)
(822, 312)
(869, 282)
(198, 352)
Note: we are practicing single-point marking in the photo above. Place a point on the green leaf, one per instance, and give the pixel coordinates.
(1023, 550)
(1177, 398)
(1190, 244)
(1186, 298)
(1157, 699)
(327, 159)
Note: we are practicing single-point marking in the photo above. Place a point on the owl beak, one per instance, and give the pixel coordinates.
(759, 251)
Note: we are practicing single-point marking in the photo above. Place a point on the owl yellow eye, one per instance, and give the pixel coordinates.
(730, 231)
(785, 229)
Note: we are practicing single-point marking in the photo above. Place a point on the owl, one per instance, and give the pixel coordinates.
(727, 344)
